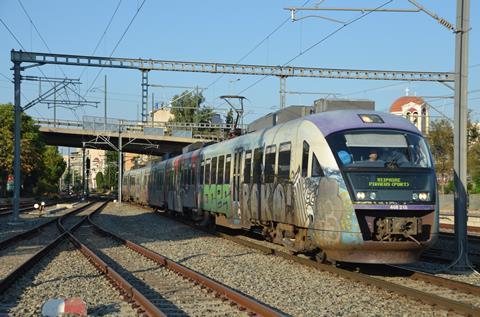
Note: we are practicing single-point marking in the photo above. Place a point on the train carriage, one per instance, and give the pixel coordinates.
(355, 186)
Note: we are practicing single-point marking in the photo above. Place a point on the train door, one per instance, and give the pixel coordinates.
(213, 185)
(257, 183)
(219, 194)
(237, 159)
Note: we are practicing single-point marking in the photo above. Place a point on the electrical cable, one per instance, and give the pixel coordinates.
(364, 14)
(13, 35)
(38, 33)
(118, 43)
(258, 44)
(103, 34)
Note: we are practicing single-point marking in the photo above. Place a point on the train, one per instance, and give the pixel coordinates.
(346, 186)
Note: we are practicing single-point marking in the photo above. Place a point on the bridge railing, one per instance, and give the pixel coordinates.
(209, 131)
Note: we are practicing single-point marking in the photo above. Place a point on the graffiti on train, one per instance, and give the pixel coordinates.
(315, 203)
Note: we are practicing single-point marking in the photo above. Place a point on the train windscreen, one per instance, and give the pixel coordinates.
(388, 149)
(385, 166)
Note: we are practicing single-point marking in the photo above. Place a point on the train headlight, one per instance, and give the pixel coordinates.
(373, 196)
(424, 196)
(36, 206)
(361, 195)
(415, 196)
(42, 203)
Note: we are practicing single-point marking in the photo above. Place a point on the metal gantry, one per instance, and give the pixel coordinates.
(145, 65)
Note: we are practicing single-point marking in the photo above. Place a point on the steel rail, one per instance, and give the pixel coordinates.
(431, 299)
(35, 230)
(449, 226)
(25, 207)
(129, 293)
(441, 281)
(224, 291)
(35, 258)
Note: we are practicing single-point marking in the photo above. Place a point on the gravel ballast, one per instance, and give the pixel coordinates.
(295, 289)
(63, 274)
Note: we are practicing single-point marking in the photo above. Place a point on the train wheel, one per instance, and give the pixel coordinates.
(321, 257)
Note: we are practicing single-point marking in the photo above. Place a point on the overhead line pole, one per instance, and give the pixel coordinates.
(460, 135)
(17, 135)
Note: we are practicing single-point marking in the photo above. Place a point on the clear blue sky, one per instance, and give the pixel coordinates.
(224, 31)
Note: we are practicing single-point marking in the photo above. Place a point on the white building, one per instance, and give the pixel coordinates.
(414, 109)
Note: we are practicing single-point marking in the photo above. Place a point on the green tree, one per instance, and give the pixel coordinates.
(440, 138)
(31, 148)
(111, 171)
(229, 117)
(53, 168)
(100, 181)
(187, 108)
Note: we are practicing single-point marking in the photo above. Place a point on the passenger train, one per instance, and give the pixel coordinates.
(347, 185)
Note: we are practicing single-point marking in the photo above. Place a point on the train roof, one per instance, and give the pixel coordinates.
(334, 121)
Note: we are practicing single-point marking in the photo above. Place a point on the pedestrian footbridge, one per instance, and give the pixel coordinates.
(155, 138)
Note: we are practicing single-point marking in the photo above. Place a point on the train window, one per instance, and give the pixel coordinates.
(284, 155)
(248, 167)
(202, 172)
(207, 172)
(227, 169)
(221, 161)
(270, 163)
(257, 165)
(305, 152)
(213, 174)
(316, 168)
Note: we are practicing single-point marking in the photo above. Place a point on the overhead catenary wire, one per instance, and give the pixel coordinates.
(118, 43)
(103, 34)
(258, 45)
(364, 14)
(38, 32)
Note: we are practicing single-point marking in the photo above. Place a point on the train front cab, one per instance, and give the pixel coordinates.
(391, 212)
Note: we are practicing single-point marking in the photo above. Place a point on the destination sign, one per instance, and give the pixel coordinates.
(397, 181)
(389, 182)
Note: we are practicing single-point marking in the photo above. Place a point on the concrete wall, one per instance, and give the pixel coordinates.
(446, 202)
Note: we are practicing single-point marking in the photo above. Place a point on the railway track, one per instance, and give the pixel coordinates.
(442, 250)
(170, 288)
(441, 292)
(20, 248)
(6, 210)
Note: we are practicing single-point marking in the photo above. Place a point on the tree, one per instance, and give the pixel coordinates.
(187, 108)
(441, 143)
(229, 117)
(31, 148)
(111, 171)
(53, 168)
(100, 181)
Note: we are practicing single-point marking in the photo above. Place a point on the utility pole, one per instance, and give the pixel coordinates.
(105, 101)
(17, 135)
(84, 170)
(460, 133)
(120, 167)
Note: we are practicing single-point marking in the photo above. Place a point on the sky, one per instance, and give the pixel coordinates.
(247, 32)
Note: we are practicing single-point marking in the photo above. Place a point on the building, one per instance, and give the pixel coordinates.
(75, 165)
(414, 109)
(161, 115)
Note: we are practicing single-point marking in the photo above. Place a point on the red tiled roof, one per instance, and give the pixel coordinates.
(397, 105)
